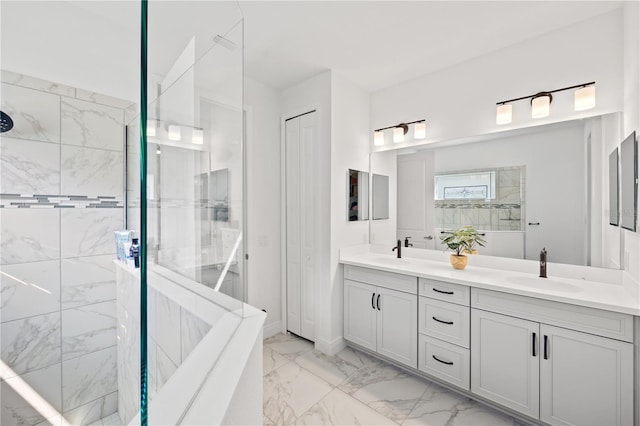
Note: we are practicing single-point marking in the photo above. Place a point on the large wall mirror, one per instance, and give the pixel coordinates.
(544, 186)
(358, 190)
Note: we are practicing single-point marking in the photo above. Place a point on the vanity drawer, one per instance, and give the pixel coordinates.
(404, 283)
(445, 321)
(445, 361)
(454, 293)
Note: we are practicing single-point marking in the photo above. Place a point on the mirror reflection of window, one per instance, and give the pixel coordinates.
(380, 197)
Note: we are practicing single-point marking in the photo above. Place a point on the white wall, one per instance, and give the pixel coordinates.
(263, 200)
(315, 94)
(349, 150)
(554, 183)
(460, 101)
(631, 119)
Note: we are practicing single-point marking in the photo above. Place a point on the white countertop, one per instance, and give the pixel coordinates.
(611, 290)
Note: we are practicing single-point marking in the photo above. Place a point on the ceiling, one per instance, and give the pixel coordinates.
(376, 44)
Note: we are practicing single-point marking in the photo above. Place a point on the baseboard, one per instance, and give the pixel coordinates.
(272, 329)
(330, 348)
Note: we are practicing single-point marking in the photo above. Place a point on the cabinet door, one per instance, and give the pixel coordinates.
(585, 379)
(505, 360)
(360, 313)
(398, 326)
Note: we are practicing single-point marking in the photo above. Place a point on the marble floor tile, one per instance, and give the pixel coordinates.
(338, 408)
(333, 369)
(440, 406)
(266, 421)
(288, 345)
(387, 389)
(289, 391)
(271, 360)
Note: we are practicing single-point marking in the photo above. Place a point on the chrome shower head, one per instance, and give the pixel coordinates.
(6, 123)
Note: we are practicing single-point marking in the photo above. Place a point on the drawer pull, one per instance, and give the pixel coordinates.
(440, 291)
(533, 344)
(373, 296)
(444, 322)
(439, 360)
(378, 301)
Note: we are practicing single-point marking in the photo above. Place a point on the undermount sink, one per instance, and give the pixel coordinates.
(388, 260)
(544, 283)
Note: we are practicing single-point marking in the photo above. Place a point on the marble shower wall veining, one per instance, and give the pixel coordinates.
(61, 198)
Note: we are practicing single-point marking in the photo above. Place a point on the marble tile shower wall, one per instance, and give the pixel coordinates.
(61, 196)
(504, 213)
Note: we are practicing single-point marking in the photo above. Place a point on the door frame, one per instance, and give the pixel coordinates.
(283, 207)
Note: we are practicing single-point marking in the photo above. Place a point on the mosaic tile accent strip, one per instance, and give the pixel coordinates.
(39, 201)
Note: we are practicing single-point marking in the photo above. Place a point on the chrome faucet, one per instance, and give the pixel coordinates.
(543, 263)
(399, 248)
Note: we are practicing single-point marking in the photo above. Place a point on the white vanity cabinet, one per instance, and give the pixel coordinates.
(381, 313)
(559, 375)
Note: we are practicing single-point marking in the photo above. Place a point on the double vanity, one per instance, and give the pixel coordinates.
(556, 351)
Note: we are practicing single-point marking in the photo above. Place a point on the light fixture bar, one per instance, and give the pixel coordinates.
(547, 91)
(400, 125)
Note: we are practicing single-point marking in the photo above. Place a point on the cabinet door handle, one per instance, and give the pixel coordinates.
(444, 322)
(378, 302)
(533, 343)
(439, 360)
(440, 291)
(546, 347)
(373, 297)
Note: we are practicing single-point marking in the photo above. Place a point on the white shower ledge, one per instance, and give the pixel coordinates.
(608, 289)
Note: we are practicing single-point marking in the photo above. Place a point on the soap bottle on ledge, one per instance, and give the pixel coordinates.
(134, 252)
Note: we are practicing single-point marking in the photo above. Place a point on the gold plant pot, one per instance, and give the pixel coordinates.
(458, 262)
(474, 251)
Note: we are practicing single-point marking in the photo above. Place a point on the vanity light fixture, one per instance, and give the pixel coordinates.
(173, 132)
(503, 114)
(378, 138)
(151, 127)
(420, 130)
(541, 105)
(399, 130)
(197, 138)
(585, 98)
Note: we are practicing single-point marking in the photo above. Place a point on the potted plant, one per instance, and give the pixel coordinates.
(462, 240)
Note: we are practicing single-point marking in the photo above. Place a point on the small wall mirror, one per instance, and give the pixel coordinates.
(380, 197)
(358, 190)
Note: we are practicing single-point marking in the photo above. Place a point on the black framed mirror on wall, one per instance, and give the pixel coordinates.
(358, 193)
(629, 182)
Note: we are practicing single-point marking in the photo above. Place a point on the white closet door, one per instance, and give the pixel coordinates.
(293, 185)
(415, 199)
(308, 212)
(302, 235)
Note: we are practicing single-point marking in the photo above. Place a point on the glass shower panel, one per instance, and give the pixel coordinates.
(195, 198)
